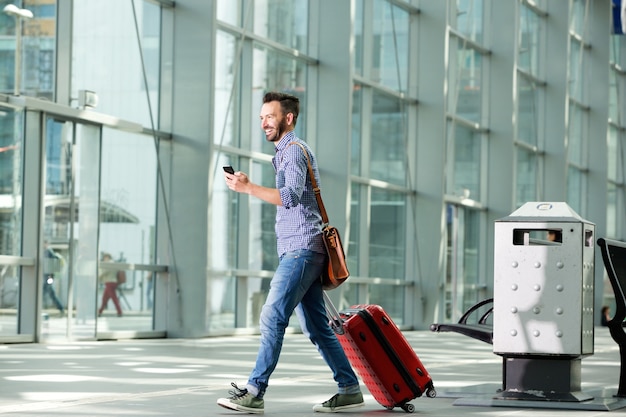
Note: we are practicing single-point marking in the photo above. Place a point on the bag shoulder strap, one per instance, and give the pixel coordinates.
(316, 189)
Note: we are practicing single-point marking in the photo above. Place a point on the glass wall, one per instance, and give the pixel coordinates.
(38, 40)
(11, 167)
(242, 262)
(616, 140)
(467, 143)
(128, 197)
(530, 102)
(578, 108)
(110, 61)
(380, 161)
(124, 73)
(70, 229)
(247, 48)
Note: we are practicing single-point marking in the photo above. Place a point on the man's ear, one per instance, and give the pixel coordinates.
(289, 118)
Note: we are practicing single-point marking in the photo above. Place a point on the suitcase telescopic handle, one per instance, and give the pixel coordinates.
(334, 319)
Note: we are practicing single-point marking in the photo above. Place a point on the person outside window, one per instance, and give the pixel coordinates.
(296, 283)
(53, 262)
(108, 277)
(605, 316)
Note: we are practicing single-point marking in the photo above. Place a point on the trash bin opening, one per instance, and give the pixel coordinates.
(540, 237)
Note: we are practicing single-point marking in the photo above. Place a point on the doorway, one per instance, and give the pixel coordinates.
(463, 284)
(71, 171)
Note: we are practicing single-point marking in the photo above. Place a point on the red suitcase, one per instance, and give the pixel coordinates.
(382, 357)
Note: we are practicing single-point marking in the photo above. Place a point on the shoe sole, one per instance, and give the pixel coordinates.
(337, 409)
(225, 402)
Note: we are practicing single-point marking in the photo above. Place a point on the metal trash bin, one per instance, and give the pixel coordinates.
(543, 301)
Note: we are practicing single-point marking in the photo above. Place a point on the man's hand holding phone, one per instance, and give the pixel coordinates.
(236, 182)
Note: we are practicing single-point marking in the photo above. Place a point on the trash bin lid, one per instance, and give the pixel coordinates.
(544, 212)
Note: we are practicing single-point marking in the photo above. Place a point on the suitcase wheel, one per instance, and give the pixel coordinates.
(431, 393)
(409, 408)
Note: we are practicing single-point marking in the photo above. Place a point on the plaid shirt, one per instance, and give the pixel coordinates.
(298, 220)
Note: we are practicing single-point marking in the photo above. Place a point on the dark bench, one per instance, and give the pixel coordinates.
(614, 258)
(480, 329)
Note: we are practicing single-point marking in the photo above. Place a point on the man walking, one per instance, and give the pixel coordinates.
(296, 283)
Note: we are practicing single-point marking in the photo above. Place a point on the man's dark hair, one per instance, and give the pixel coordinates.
(288, 103)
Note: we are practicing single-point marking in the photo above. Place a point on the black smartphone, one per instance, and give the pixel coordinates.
(229, 169)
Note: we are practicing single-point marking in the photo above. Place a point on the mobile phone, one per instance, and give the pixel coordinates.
(229, 169)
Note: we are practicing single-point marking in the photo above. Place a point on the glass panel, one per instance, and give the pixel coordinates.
(11, 160)
(357, 120)
(71, 208)
(465, 79)
(273, 71)
(388, 145)
(9, 299)
(83, 283)
(283, 21)
(59, 217)
(223, 222)
(263, 253)
(262, 242)
(469, 19)
(576, 122)
(471, 278)
(527, 111)
(462, 279)
(38, 39)
(574, 189)
(229, 11)
(358, 37)
(611, 211)
(613, 154)
(451, 261)
(225, 128)
(578, 16)
(391, 46)
(467, 157)
(387, 234)
(530, 33)
(223, 292)
(620, 176)
(353, 250)
(576, 70)
(107, 59)
(613, 97)
(526, 185)
(11, 157)
(390, 296)
(127, 225)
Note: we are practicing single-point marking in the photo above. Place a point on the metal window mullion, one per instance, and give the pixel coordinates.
(531, 78)
(265, 42)
(467, 42)
(455, 119)
(536, 9)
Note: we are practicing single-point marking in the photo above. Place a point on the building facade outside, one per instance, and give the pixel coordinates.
(430, 121)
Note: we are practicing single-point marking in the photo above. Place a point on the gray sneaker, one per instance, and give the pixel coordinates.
(340, 402)
(242, 400)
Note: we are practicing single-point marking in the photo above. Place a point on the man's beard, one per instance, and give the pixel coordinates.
(282, 127)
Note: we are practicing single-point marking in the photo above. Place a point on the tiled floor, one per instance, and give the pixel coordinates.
(184, 377)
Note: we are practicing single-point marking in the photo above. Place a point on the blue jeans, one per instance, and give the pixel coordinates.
(296, 286)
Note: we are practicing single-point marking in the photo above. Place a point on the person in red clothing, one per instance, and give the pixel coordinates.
(108, 277)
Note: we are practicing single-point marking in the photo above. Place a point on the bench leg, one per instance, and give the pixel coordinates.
(621, 389)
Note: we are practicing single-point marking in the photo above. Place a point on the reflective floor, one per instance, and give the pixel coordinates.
(184, 377)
